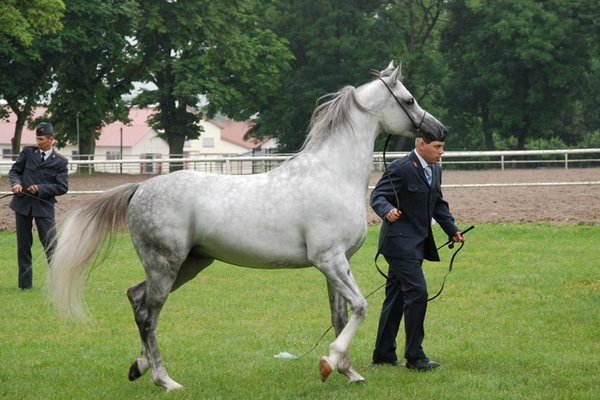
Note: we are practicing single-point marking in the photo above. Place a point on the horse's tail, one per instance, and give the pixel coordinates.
(83, 231)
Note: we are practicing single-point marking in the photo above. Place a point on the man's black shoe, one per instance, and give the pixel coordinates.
(385, 362)
(422, 364)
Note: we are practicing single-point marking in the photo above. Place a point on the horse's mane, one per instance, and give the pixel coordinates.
(331, 115)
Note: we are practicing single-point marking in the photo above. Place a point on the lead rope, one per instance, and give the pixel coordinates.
(33, 197)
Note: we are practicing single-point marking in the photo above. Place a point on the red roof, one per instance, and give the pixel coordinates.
(132, 132)
(110, 134)
(233, 132)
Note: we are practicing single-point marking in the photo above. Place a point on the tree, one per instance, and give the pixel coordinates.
(90, 82)
(336, 44)
(205, 50)
(86, 84)
(418, 24)
(329, 43)
(27, 35)
(514, 68)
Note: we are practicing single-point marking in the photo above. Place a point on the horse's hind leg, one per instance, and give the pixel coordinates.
(339, 319)
(142, 364)
(189, 269)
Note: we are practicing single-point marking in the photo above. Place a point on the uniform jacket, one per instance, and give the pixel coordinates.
(411, 235)
(50, 176)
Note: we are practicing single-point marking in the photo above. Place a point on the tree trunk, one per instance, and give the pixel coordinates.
(488, 133)
(86, 148)
(16, 139)
(176, 143)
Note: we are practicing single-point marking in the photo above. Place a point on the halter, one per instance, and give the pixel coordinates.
(428, 137)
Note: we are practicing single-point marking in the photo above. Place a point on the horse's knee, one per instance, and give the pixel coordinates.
(135, 295)
(359, 308)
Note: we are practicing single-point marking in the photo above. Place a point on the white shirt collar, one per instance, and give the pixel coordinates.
(47, 152)
(421, 160)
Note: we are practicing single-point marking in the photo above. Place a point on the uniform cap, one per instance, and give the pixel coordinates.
(44, 129)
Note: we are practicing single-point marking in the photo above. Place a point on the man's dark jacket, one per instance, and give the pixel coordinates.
(50, 176)
(404, 182)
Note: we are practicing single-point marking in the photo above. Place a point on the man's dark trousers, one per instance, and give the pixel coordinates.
(406, 295)
(24, 224)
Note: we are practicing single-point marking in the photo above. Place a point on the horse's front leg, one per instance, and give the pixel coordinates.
(341, 283)
(339, 319)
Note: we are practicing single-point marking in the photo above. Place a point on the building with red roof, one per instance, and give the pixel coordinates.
(138, 140)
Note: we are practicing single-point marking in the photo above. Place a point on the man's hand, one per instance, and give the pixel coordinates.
(458, 237)
(393, 215)
(17, 189)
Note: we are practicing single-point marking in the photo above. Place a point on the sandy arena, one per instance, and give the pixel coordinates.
(568, 204)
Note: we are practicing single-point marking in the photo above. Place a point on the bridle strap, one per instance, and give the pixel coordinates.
(426, 136)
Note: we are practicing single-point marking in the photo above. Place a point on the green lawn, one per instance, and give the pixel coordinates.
(519, 319)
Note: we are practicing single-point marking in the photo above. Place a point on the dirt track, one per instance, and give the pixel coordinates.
(558, 204)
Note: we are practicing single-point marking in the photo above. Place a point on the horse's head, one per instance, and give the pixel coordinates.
(400, 112)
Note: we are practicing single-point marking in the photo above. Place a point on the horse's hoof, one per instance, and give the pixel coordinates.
(134, 371)
(359, 381)
(174, 386)
(324, 368)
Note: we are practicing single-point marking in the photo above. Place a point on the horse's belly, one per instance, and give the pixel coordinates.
(256, 251)
(290, 245)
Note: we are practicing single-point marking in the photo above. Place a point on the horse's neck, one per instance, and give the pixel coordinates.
(348, 155)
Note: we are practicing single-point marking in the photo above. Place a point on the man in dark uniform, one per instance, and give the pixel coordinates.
(407, 197)
(37, 176)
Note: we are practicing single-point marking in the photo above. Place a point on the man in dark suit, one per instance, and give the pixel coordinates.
(37, 176)
(407, 200)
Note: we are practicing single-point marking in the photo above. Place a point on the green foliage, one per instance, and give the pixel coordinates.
(513, 322)
(336, 43)
(88, 81)
(205, 48)
(23, 21)
(514, 68)
(92, 79)
(592, 140)
(512, 72)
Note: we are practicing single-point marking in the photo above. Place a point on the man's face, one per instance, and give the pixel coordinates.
(44, 142)
(431, 152)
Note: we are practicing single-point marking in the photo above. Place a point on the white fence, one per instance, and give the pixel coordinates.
(256, 164)
(509, 159)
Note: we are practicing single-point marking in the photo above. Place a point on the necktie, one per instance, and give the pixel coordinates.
(43, 156)
(428, 174)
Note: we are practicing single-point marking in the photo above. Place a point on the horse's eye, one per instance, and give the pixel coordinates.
(410, 101)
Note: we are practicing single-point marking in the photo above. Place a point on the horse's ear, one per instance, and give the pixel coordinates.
(388, 71)
(394, 73)
(397, 74)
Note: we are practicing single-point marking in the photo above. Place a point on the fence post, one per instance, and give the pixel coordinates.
(566, 160)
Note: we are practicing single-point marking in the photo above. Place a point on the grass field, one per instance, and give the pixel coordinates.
(519, 319)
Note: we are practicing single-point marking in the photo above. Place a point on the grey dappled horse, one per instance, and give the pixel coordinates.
(310, 211)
